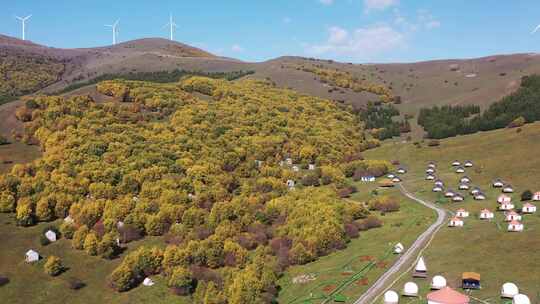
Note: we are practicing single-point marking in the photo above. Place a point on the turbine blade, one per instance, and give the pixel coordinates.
(536, 29)
(28, 17)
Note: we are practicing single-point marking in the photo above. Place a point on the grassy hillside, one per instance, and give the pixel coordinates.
(484, 247)
(198, 164)
(23, 74)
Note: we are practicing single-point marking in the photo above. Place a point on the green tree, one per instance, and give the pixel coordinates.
(53, 266)
(79, 237)
(91, 244)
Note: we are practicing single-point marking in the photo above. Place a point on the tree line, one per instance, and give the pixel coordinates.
(522, 106)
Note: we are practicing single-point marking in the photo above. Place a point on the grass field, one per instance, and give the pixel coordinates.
(331, 271)
(29, 284)
(480, 246)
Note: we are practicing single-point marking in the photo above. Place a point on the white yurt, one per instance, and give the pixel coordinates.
(449, 193)
(410, 289)
(509, 290)
(498, 183)
(463, 186)
(521, 299)
(50, 235)
(485, 214)
(391, 297)
(512, 216)
(475, 190)
(528, 208)
(508, 189)
(460, 170)
(462, 213)
(515, 226)
(391, 175)
(506, 206)
(148, 282)
(479, 196)
(398, 248)
(396, 179)
(437, 189)
(430, 170)
(504, 199)
(458, 198)
(456, 163)
(468, 164)
(438, 282)
(432, 165)
(439, 183)
(311, 167)
(31, 256)
(455, 222)
(465, 179)
(430, 177)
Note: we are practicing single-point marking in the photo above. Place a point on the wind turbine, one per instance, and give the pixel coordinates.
(172, 25)
(114, 28)
(23, 21)
(536, 29)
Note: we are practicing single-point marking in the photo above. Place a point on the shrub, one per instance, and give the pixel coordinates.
(43, 240)
(79, 237)
(75, 283)
(369, 223)
(299, 254)
(384, 204)
(91, 244)
(351, 230)
(433, 143)
(3, 140)
(310, 180)
(527, 195)
(3, 280)
(181, 281)
(53, 266)
(67, 229)
(518, 122)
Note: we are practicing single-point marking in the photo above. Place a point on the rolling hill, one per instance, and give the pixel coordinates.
(480, 80)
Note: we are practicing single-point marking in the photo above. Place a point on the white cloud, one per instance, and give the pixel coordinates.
(287, 20)
(433, 24)
(327, 2)
(379, 4)
(360, 44)
(337, 35)
(237, 48)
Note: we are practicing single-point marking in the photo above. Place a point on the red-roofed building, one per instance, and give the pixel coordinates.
(447, 296)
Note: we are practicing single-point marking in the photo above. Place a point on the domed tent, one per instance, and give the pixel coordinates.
(438, 282)
(512, 216)
(447, 296)
(391, 297)
(521, 299)
(410, 289)
(515, 226)
(470, 280)
(420, 271)
(509, 290)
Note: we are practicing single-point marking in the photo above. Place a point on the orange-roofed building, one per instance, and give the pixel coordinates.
(447, 296)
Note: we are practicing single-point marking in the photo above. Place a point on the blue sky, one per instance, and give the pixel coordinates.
(255, 30)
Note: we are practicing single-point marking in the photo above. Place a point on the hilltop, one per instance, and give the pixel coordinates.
(419, 84)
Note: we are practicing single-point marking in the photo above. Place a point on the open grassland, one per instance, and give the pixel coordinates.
(365, 258)
(28, 281)
(480, 246)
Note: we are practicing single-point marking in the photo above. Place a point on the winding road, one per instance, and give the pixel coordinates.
(410, 256)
